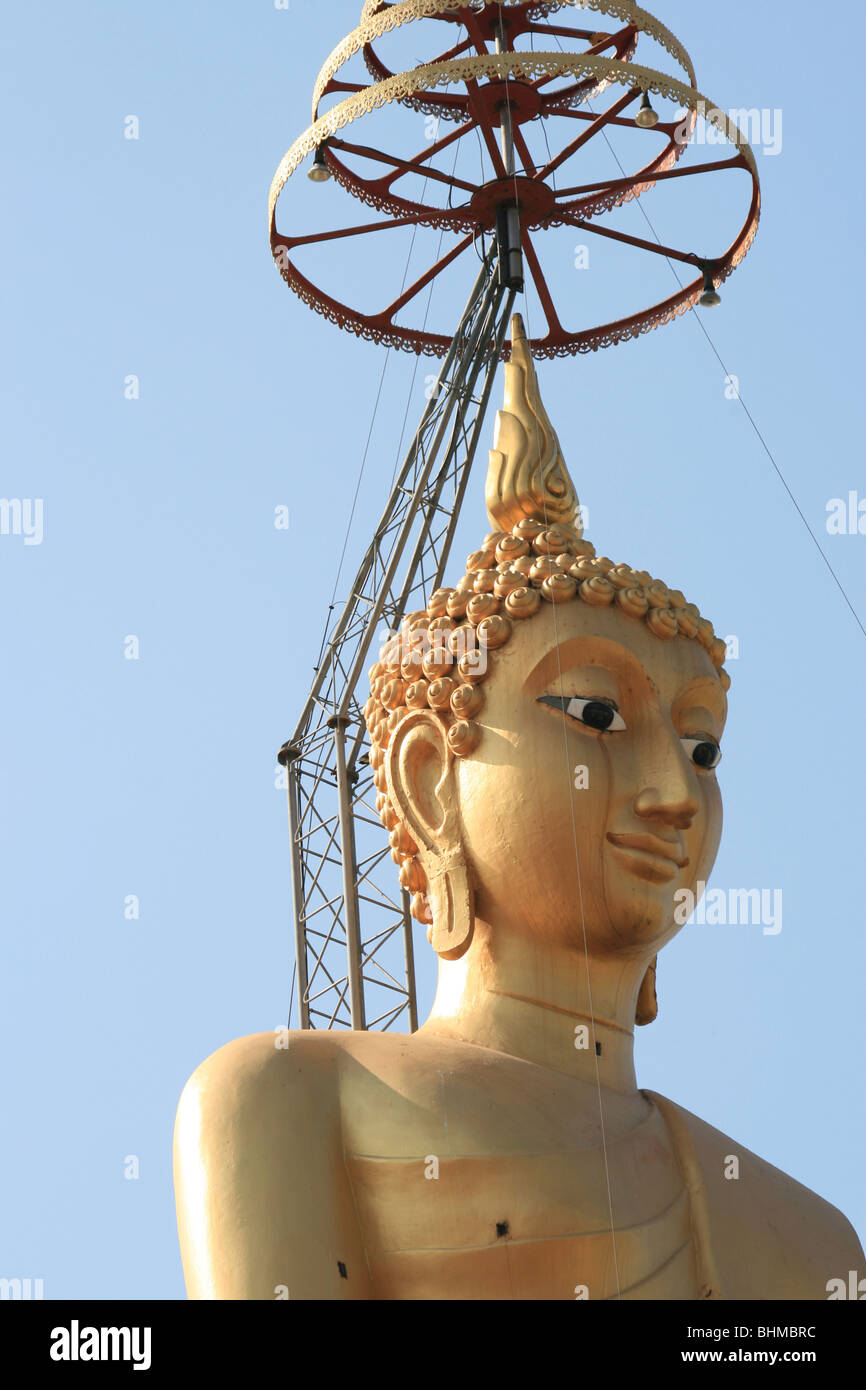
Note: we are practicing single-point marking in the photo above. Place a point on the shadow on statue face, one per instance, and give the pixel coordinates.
(565, 821)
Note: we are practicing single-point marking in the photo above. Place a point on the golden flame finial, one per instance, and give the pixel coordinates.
(527, 477)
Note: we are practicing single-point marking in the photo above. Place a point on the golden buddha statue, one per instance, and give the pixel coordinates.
(544, 739)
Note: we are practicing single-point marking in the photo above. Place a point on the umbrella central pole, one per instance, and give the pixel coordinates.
(508, 214)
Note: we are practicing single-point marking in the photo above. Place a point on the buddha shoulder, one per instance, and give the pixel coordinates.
(270, 1095)
(796, 1241)
(265, 1210)
(284, 1078)
(321, 1083)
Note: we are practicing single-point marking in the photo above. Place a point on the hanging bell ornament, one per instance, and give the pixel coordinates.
(646, 117)
(710, 297)
(319, 173)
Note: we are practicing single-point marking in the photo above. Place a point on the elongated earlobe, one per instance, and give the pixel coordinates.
(421, 788)
(452, 904)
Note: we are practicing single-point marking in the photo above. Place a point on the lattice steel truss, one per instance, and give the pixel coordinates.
(353, 931)
(347, 912)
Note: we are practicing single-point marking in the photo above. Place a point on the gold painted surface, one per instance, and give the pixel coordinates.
(527, 478)
(504, 1151)
(274, 1195)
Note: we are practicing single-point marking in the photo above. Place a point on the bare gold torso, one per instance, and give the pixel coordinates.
(476, 1175)
(381, 1166)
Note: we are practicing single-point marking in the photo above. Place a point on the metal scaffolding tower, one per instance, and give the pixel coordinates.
(503, 87)
(346, 911)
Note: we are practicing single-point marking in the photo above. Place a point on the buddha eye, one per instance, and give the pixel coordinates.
(703, 752)
(601, 715)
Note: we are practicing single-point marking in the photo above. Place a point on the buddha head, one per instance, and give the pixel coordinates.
(544, 736)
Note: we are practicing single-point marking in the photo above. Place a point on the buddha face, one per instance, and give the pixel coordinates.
(592, 796)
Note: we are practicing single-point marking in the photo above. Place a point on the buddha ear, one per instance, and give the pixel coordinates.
(419, 767)
(647, 1001)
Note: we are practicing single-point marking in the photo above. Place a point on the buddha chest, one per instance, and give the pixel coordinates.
(461, 1196)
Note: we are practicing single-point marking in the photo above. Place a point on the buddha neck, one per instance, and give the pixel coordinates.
(540, 1002)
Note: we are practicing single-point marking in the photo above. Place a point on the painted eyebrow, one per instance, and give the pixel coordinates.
(563, 701)
(698, 683)
(614, 658)
(701, 693)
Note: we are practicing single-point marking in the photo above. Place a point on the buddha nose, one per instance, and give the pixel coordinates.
(671, 794)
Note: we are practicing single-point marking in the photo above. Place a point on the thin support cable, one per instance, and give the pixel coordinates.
(575, 842)
(749, 416)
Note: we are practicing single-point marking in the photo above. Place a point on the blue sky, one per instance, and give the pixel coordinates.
(156, 778)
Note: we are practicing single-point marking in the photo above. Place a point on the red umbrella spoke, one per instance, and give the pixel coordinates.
(597, 124)
(444, 102)
(541, 286)
(289, 243)
(400, 168)
(525, 156)
(588, 83)
(435, 270)
(352, 88)
(638, 242)
(454, 52)
(475, 33)
(589, 117)
(636, 180)
(623, 40)
(488, 136)
(378, 69)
